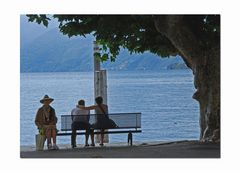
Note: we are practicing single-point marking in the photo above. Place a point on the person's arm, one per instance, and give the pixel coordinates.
(88, 116)
(55, 117)
(106, 109)
(54, 120)
(88, 107)
(72, 114)
(37, 120)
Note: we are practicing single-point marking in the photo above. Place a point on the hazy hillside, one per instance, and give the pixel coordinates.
(47, 50)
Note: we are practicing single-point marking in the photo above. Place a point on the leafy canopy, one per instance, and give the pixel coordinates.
(137, 33)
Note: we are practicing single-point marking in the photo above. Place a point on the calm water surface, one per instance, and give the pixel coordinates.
(164, 98)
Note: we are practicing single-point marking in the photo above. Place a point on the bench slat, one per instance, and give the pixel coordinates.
(123, 120)
(106, 132)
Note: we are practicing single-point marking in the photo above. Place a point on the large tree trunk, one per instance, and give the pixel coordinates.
(207, 82)
(205, 65)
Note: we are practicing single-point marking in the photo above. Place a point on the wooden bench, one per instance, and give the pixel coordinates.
(126, 123)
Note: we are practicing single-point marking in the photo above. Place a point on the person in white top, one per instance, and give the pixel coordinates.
(80, 121)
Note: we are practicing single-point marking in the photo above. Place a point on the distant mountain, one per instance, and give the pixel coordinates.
(177, 66)
(30, 31)
(47, 50)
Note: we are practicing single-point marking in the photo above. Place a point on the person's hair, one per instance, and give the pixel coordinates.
(99, 100)
(81, 102)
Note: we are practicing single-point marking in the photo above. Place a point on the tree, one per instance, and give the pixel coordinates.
(195, 37)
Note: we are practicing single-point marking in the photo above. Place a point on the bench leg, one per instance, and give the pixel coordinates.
(130, 138)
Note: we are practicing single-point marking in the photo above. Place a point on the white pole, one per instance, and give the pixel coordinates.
(96, 64)
(100, 85)
(96, 67)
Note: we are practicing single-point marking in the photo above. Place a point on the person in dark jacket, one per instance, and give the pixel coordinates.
(46, 120)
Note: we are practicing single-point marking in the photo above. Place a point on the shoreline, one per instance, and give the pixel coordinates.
(158, 149)
(29, 148)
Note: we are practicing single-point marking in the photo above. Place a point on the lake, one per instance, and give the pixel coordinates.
(163, 97)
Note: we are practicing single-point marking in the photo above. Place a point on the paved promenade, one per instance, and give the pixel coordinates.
(180, 149)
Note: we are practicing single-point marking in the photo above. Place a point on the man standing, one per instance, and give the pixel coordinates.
(80, 121)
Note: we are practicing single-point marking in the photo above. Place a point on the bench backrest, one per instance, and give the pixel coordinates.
(123, 120)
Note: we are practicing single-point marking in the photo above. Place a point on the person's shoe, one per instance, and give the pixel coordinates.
(49, 146)
(93, 145)
(74, 146)
(101, 144)
(86, 145)
(55, 147)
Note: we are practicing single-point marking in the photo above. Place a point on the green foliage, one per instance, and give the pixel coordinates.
(97, 56)
(206, 28)
(104, 57)
(39, 19)
(137, 33)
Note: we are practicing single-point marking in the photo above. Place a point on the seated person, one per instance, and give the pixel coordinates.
(103, 122)
(46, 120)
(80, 120)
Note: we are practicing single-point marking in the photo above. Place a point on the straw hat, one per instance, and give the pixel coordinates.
(46, 97)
